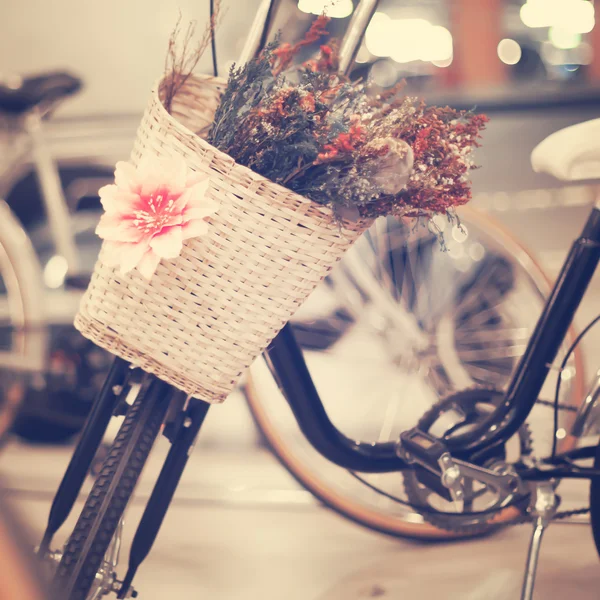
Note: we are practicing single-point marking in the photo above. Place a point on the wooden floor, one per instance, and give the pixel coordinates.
(232, 534)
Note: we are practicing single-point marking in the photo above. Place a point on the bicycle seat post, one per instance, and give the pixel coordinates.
(55, 204)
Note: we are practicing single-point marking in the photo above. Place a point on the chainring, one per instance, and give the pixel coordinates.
(450, 415)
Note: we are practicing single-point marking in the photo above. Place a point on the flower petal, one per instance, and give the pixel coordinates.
(111, 252)
(108, 197)
(147, 266)
(108, 227)
(131, 254)
(194, 177)
(126, 176)
(196, 228)
(206, 209)
(116, 228)
(168, 242)
(116, 200)
(174, 220)
(196, 194)
(169, 173)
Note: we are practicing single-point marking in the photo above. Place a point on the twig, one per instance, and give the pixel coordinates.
(181, 59)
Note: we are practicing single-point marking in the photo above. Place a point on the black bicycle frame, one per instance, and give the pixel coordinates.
(289, 367)
(294, 379)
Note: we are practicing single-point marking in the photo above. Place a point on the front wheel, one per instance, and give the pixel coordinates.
(87, 547)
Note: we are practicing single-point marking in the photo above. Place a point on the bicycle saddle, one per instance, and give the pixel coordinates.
(570, 154)
(37, 90)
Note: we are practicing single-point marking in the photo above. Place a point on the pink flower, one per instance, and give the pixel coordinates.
(150, 211)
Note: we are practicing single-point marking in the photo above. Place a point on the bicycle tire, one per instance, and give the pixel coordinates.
(110, 495)
(348, 507)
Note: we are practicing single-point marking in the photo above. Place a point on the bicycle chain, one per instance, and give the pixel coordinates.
(565, 514)
(559, 515)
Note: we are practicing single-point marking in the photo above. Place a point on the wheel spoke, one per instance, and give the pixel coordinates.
(494, 353)
(488, 376)
(474, 336)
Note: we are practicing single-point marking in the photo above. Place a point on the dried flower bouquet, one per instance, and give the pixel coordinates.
(320, 134)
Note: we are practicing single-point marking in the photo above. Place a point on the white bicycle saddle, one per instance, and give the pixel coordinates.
(570, 154)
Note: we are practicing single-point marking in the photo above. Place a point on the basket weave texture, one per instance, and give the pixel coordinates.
(205, 316)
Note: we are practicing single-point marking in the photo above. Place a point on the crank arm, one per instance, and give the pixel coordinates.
(505, 482)
(423, 450)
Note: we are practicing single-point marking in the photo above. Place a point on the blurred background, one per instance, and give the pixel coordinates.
(533, 66)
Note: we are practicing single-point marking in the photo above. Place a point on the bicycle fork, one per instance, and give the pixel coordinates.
(183, 423)
(182, 434)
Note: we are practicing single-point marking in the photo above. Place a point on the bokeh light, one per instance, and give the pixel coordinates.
(563, 39)
(509, 51)
(408, 40)
(336, 9)
(384, 73)
(55, 271)
(379, 37)
(573, 16)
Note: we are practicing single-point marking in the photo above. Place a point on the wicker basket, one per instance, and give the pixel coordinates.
(206, 315)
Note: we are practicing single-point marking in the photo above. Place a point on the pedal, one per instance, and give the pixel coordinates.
(433, 464)
(418, 447)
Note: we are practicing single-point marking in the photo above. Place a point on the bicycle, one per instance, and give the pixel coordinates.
(347, 306)
(36, 260)
(145, 412)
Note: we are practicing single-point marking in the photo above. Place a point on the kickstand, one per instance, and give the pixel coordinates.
(543, 509)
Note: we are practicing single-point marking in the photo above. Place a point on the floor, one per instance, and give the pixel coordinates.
(241, 528)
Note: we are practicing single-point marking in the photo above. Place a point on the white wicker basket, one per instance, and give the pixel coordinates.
(206, 315)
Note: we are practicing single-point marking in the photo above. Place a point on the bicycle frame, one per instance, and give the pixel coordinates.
(35, 146)
(524, 387)
(56, 207)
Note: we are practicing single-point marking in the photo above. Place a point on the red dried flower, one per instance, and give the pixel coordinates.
(423, 141)
(328, 61)
(285, 53)
(329, 153)
(344, 142)
(307, 102)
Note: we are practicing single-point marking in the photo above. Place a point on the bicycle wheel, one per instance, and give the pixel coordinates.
(22, 332)
(88, 544)
(459, 318)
